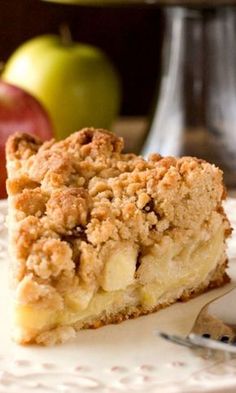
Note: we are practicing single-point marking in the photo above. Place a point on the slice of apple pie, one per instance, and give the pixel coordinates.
(97, 236)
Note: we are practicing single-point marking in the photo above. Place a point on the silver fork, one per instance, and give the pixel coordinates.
(214, 327)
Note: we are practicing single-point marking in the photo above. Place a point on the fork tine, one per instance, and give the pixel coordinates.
(194, 341)
(217, 319)
(214, 328)
(175, 339)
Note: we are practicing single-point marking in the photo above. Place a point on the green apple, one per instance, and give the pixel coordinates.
(76, 83)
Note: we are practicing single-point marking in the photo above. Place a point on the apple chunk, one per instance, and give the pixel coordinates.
(119, 269)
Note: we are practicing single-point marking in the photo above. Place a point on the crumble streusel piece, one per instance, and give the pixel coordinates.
(98, 236)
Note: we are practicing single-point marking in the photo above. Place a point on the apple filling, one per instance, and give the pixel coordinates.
(158, 279)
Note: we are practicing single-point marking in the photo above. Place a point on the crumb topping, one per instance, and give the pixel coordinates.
(74, 200)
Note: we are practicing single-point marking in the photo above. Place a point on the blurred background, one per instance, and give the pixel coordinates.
(130, 36)
(164, 78)
(132, 39)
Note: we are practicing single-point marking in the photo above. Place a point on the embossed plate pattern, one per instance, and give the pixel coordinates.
(117, 358)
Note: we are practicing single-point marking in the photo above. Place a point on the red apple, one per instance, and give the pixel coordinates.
(19, 111)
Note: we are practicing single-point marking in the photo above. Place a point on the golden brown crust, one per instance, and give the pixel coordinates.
(22, 146)
(73, 202)
(68, 209)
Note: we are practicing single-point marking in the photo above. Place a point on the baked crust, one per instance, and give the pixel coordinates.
(75, 202)
(218, 278)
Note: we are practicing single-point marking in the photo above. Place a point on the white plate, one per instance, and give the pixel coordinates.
(118, 358)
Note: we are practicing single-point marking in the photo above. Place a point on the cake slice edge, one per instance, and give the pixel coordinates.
(25, 185)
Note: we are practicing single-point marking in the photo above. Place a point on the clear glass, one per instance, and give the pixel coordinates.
(196, 107)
